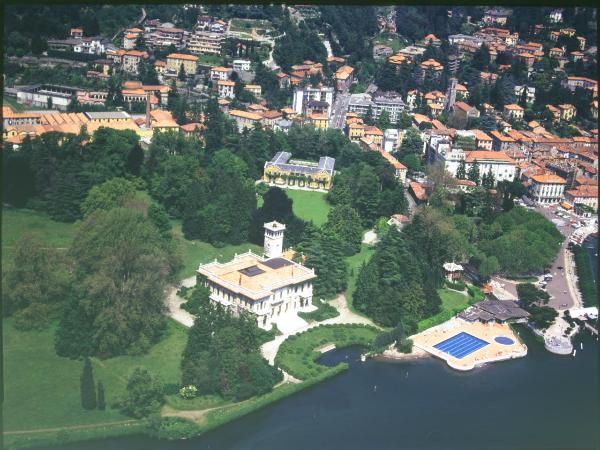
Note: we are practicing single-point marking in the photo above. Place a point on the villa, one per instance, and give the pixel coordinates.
(266, 286)
(283, 171)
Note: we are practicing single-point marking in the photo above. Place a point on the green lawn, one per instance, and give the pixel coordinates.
(195, 253)
(354, 264)
(209, 59)
(309, 205)
(13, 103)
(390, 40)
(16, 222)
(453, 302)
(297, 355)
(42, 389)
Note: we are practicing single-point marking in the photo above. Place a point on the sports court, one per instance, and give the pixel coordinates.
(461, 345)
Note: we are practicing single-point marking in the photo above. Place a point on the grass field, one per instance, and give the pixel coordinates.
(390, 40)
(297, 355)
(309, 205)
(16, 222)
(452, 303)
(195, 253)
(16, 106)
(42, 389)
(246, 25)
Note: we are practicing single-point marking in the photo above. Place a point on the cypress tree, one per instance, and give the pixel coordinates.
(101, 400)
(461, 172)
(87, 387)
(473, 173)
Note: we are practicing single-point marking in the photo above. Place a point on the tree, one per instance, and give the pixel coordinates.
(473, 172)
(110, 194)
(144, 394)
(489, 266)
(383, 121)
(36, 284)
(481, 58)
(123, 265)
(181, 73)
(461, 172)
(101, 400)
(412, 142)
(87, 386)
(49, 102)
(344, 222)
(543, 316)
(529, 295)
(159, 217)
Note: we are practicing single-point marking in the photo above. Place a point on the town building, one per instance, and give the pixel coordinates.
(245, 119)
(381, 52)
(319, 121)
(343, 78)
(219, 73)
(389, 101)
(226, 88)
(176, 60)
(583, 195)
(241, 65)
(304, 95)
(547, 188)
(513, 112)
(283, 171)
(205, 42)
(254, 89)
(266, 286)
(132, 60)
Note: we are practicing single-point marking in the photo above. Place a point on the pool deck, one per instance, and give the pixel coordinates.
(490, 353)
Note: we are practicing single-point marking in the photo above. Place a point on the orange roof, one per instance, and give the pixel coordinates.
(244, 114)
(393, 161)
(182, 56)
(134, 30)
(501, 137)
(315, 116)
(225, 83)
(136, 53)
(549, 178)
(131, 84)
(480, 135)
(77, 29)
(373, 130)
(418, 190)
(219, 69)
(488, 155)
(513, 107)
(583, 191)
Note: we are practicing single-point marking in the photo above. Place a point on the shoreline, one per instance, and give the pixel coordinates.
(391, 355)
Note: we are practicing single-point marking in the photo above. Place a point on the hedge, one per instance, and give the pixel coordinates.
(585, 276)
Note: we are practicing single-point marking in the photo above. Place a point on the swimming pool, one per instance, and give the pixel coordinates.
(504, 340)
(461, 345)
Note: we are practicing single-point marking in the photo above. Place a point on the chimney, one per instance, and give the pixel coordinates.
(148, 109)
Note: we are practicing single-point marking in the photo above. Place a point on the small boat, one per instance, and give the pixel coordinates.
(574, 352)
(581, 345)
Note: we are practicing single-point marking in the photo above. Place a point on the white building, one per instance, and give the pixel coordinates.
(502, 166)
(303, 95)
(556, 15)
(266, 286)
(390, 102)
(241, 65)
(547, 188)
(390, 140)
(226, 88)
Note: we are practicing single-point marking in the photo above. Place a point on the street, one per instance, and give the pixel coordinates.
(339, 109)
(563, 286)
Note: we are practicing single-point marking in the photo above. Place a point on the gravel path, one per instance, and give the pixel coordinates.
(174, 302)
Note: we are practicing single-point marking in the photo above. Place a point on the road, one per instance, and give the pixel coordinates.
(139, 21)
(339, 109)
(563, 286)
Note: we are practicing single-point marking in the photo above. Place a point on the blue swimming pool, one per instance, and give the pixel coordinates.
(461, 345)
(504, 340)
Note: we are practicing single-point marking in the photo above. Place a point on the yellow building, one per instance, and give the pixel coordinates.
(254, 89)
(374, 135)
(284, 171)
(319, 120)
(175, 60)
(567, 112)
(513, 111)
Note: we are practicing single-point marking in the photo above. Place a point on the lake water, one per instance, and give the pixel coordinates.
(540, 401)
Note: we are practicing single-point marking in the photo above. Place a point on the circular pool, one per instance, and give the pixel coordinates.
(504, 340)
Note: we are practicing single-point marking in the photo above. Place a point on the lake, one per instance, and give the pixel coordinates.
(540, 401)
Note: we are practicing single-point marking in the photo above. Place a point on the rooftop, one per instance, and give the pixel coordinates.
(254, 276)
